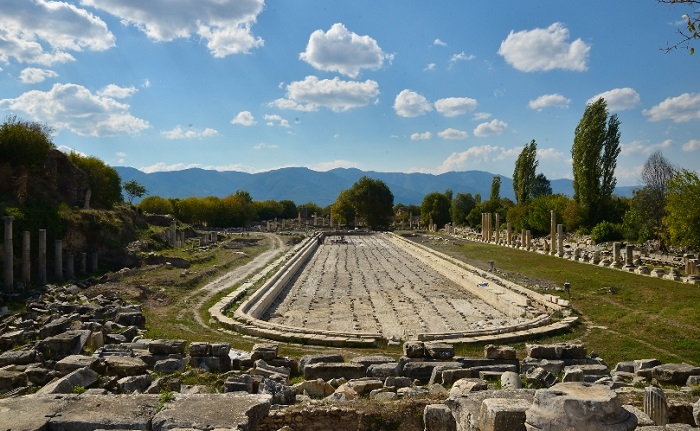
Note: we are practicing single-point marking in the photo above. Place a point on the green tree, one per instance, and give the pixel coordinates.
(435, 207)
(289, 209)
(495, 189)
(344, 209)
(105, 183)
(373, 202)
(268, 210)
(156, 205)
(594, 153)
(462, 204)
(542, 186)
(24, 143)
(133, 190)
(683, 208)
(525, 173)
(692, 25)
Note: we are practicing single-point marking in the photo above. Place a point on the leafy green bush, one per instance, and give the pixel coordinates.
(24, 143)
(606, 231)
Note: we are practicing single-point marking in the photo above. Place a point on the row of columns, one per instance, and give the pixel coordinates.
(491, 232)
(70, 259)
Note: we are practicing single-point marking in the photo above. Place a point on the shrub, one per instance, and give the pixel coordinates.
(606, 231)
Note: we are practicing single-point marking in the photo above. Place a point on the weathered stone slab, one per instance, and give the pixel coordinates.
(31, 413)
(463, 387)
(578, 406)
(674, 374)
(422, 371)
(211, 411)
(74, 362)
(10, 379)
(265, 352)
(439, 351)
(438, 417)
(318, 388)
(93, 412)
(167, 347)
(373, 360)
(125, 366)
(383, 370)
(333, 370)
(499, 352)
(314, 359)
(83, 377)
(466, 409)
(17, 357)
(414, 349)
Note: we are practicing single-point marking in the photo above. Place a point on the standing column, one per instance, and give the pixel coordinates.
(552, 231)
(93, 261)
(509, 235)
(483, 226)
(26, 258)
(42, 256)
(528, 239)
(497, 229)
(82, 263)
(8, 257)
(523, 244)
(629, 261)
(173, 232)
(489, 226)
(58, 259)
(560, 240)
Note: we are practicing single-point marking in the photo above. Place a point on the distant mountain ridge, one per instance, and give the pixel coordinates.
(303, 185)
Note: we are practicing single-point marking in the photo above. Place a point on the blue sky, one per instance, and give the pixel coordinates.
(394, 86)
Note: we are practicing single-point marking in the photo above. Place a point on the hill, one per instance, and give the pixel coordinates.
(303, 185)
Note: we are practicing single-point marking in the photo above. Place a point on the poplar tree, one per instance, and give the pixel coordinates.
(594, 154)
(525, 173)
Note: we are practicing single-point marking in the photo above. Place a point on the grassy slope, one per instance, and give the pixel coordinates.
(647, 317)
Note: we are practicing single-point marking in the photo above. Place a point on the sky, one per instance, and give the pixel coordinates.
(390, 86)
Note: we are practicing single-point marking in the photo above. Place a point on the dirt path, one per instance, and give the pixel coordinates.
(229, 279)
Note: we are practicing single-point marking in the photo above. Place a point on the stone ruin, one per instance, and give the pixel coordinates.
(71, 362)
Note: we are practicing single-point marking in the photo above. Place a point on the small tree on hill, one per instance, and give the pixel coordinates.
(133, 190)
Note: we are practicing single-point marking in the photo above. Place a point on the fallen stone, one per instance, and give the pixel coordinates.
(12, 379)
(414, 349)
(499, 352)
(365, 385)
(383, 370)
(199, 348)
(327, 371)
(422, 371)
(280, 393)
(169, 366)
(131, 384)
(500, 414)
(674, 374)
(314, 359)
(510, 380)
(17, 357)
(74, 362)
(265, 352)
(29, 413)
(167, 347)
(83, 377)
(122, 366)
(540, 378)
(88, 412)
(318, 388)
(439, 351)
(463, 387)
(239, 383)
(368, 361)
(696, 413)
(438, 417)
(539, 351)
(467, 409)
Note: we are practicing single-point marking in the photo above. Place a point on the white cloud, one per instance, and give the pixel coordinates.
(32, 75)
(692, 145)
(430, 66)
(549, 101)
(411, 104)
(460, 57)
(75, 108)
(494, 127)
(117, 92)
(644, 147)
(475, 157)
(618, 99)
(276, 120)
(482, 116)
(453, 134)
(67, 150)
(549, 154)
(120, 154)
(263, 146)
(179, 133)
(244, 118)
(438, 42)
(343, 51)
(544, 49)
(679, 109)
(26, 27)
(224, 24)
(421, 136)
(334, 94)
(327, 166)
(455, 106)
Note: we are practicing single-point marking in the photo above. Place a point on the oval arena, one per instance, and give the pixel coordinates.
(360, 290)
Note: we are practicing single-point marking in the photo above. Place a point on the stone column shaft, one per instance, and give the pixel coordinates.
(26, 258)
(552, 231)
(8, 256)
(58, 259)
(42, 256)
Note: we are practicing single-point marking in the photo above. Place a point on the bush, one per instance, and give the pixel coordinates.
(606, 231)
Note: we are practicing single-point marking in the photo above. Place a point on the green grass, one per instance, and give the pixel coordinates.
(647, 317)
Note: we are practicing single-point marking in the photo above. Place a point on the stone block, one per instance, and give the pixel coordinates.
(499, 352)
(422, 371)
(213, 364)
(414, 349)
(12, 379)
(366, 361)
(540, 378)
(540, 351)
(131, 384)
(511, 380)
(462, 387)
(383, 370)
(397, 382)
(438, 417)
(167, 347)
(64, 344)
(644, 364)
(200, 348)
(313, 359)
(88, 412)
(74, 362)
(83, 377)
(170, 366)
(279, 392)
(17, 357)
(439, 351)
(436, 375)
(331, 370)
(220, 349)
(467, 408)
(265, 352)
(318, 388)
(503, 414)
(450, 376)
(123, 366)
(674, 374)
(655, 405)
(29, 413)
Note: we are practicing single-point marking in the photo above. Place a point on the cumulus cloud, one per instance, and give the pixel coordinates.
(482, 116)
(411, 104)
(544, 49)
(224, 24)
(421, 136)
(455, 106)
(117, 92)
(679, 109)
(549, 154)
(32, 75)
(549, 101)
(26, 27)
(692, 145)
(475, 157)
(618, 99)
(494, 127)
(342, 51)
(334, 94)
(244, 118)
(327, 166)
(430, 66)
(75, 108)
(453, 134)
(438, 42)
(644, 147)
(456, 58)
(180, 133)
(276, 120)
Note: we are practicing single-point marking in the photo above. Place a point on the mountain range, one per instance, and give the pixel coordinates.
(302, 185)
